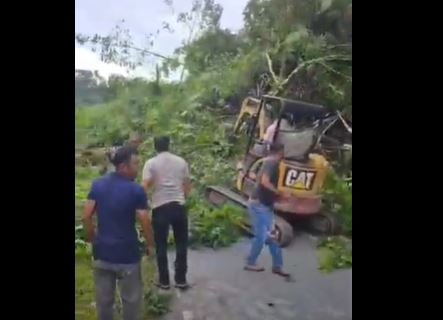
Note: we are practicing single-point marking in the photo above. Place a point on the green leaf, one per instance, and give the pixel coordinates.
(296, 36)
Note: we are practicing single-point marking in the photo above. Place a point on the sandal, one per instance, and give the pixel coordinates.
(280, 272)
(254, 268)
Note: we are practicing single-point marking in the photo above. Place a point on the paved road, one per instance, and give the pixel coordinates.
(224, 291)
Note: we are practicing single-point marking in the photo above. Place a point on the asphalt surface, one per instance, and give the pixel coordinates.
(223, 290)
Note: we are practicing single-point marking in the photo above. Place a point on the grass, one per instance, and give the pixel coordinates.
(84, 289)
(154, 304)
(78, 213)
(334, 253)
(83, 179)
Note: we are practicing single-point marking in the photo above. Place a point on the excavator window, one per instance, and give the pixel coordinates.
(255, 169)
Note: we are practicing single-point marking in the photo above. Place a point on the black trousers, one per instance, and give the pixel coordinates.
(173, 214)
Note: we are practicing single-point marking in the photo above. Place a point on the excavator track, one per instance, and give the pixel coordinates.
(219, 196)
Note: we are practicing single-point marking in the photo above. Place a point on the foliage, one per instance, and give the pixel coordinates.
(215, 227)
(204, 15)
(309, 47)
(232, 77)
(118, 46)
(268, 21)
(334, 253)
(80, 242)
(83, 179)
(208, 226)
(90, 88)
(210, 49)
(338, 200)
(101, 125)
(81, 191)
(84, 287)
(156, 304)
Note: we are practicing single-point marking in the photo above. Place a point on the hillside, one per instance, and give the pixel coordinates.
(91, 88)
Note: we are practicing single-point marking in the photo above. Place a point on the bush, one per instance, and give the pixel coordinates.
(156, 304)
(83, 180)
(215, 227)
(338, 200)
(334, 253)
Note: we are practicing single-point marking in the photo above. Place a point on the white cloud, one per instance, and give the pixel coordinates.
(85, 59)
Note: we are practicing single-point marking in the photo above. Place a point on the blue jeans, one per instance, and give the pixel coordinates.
(261, 220)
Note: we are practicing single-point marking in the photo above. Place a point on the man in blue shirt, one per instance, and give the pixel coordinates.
(118, 201)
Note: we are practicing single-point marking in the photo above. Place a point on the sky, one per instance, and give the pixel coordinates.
(142, 17)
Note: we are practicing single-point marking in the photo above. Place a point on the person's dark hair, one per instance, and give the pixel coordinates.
(286, 116)
(161, 144)
(123, 155)
(276, 148)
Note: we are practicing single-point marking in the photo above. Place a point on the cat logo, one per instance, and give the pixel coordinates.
(299, 179)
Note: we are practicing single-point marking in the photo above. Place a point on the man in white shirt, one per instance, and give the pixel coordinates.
(270, 132)
(168, 175)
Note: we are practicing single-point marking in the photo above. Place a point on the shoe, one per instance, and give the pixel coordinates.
(183, 286)
(163, 286)
(280, 272)
(254, 268)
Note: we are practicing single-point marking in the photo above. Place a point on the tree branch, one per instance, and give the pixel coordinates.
(88, 39)
(324, 65)
(150, 52)
(271, 70)
(313, 61)
(344, 122)
(321, 60)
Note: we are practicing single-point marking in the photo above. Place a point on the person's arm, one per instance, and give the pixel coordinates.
(265, 181)
(88, 213)
(187, 182)
(145, 221)
(148, 176)
(146, 184)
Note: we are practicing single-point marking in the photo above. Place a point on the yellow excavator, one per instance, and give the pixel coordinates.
(247, 115)
(302, 171)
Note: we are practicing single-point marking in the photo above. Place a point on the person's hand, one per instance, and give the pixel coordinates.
(90, 236)
(285, 194)
(273, 234)
(150, 251)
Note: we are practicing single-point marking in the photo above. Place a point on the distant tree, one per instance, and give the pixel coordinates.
(209, 48)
